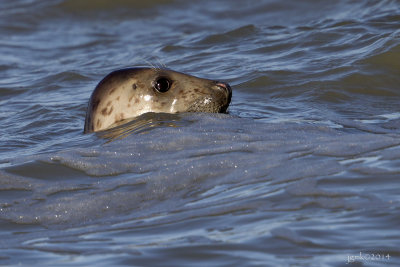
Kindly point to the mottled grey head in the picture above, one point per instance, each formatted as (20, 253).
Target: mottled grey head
(128, 93)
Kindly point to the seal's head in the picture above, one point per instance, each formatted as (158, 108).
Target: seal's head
(128, 93)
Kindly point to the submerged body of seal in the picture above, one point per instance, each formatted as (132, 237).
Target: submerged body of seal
(128, 93)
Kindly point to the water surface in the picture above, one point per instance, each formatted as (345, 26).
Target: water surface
(303, 171)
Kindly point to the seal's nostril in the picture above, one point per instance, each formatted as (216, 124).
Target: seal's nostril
(224, 86)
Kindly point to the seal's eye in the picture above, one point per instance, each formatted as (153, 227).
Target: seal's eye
(162, 85)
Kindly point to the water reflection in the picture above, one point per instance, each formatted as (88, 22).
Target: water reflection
(144, 124)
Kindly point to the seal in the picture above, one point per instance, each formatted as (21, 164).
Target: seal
(128, 93)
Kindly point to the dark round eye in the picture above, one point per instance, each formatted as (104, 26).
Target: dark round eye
(162, 85)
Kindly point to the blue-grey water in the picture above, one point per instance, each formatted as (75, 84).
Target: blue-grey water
(303, 171)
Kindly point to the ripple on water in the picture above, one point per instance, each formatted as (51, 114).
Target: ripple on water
(303, 171)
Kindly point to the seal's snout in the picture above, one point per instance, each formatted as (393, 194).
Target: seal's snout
(225, 87)
(228, 91)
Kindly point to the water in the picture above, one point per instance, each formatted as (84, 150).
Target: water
(303, 171)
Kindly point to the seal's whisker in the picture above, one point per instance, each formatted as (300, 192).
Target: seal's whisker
(161, 64)
(151, 65)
